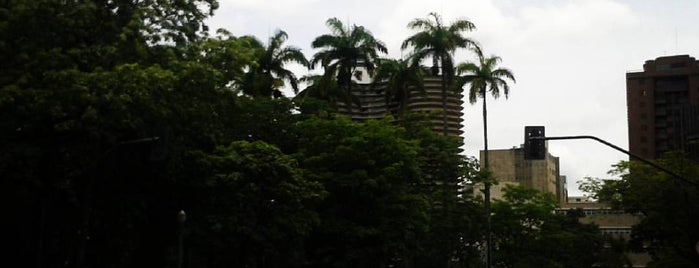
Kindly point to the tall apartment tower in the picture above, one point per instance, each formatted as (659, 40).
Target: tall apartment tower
(373, 104)
(509, 167)
(663, 106)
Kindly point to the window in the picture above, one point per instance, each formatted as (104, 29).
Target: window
(678, 65)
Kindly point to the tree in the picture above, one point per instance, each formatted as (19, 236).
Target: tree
(231, 57)
(255, 208)
(668, 205)
(485, 77)
(455, 228)
(529, 234)
(325, 88)
(266, 77)
(439, 42)
(77, 79)
(373, 214)
(344, 50)
(399, 80)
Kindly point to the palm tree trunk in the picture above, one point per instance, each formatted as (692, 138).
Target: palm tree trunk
(489, 235)
(350, 102)
(349, 94)
(445, 128)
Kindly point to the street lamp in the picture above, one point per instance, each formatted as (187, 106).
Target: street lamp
(181, 218)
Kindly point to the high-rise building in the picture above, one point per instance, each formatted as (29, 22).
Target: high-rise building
(373, 104)
(663, 106)
(509, 167)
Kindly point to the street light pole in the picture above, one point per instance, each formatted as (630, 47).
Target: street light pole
(181, 218)
(669, 172)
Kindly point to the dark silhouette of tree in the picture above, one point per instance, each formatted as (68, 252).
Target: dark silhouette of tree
(398, 80)
(266, 78)
(439, 42)
(485, 77)
(344, 50)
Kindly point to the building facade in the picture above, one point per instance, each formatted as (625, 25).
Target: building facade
(611, 222)
(509, 167)
(373, 104)
(663, 106)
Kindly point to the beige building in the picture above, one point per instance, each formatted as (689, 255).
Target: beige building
(616, 223)
(373, 104)
(509, 167)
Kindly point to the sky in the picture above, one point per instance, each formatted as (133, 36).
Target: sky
(569, 59)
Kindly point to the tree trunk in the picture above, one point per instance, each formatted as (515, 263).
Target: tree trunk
(349, 94)
(445, 128)
(489, 235)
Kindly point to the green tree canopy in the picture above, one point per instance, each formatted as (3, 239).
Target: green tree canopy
(439, 41)
(254, 208)
(668, 205)
(528, 233)
(344, 50)
(398, 79)
(266, 78)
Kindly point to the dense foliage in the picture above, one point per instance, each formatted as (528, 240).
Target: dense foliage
(116, 115)
(527, 234)
(669, 206)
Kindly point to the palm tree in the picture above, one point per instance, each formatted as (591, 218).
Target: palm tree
(326, 88)
(439, 42)
(399, 79)
(267, 78)
(485, 77)
(344, 50)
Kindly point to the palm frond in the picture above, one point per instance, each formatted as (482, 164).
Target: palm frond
(504, 72)
(336, 26)
(484, 75)
(461, 25)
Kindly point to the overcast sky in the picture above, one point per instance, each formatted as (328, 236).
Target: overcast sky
(569, 58)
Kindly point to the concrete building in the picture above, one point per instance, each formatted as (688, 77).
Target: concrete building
(509, 167)
(612, 222)
(663, 106)
(373, 104)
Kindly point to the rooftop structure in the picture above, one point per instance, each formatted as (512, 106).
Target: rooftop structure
(663, 106)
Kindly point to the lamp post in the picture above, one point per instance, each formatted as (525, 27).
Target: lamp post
(181, 218)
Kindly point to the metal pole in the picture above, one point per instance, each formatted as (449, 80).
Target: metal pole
(671, 173)
(181, 218)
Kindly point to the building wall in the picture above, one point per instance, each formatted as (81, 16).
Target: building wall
(509, 166)
(373, 104)
(562, 188)
(616, 223)
(661, 104)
